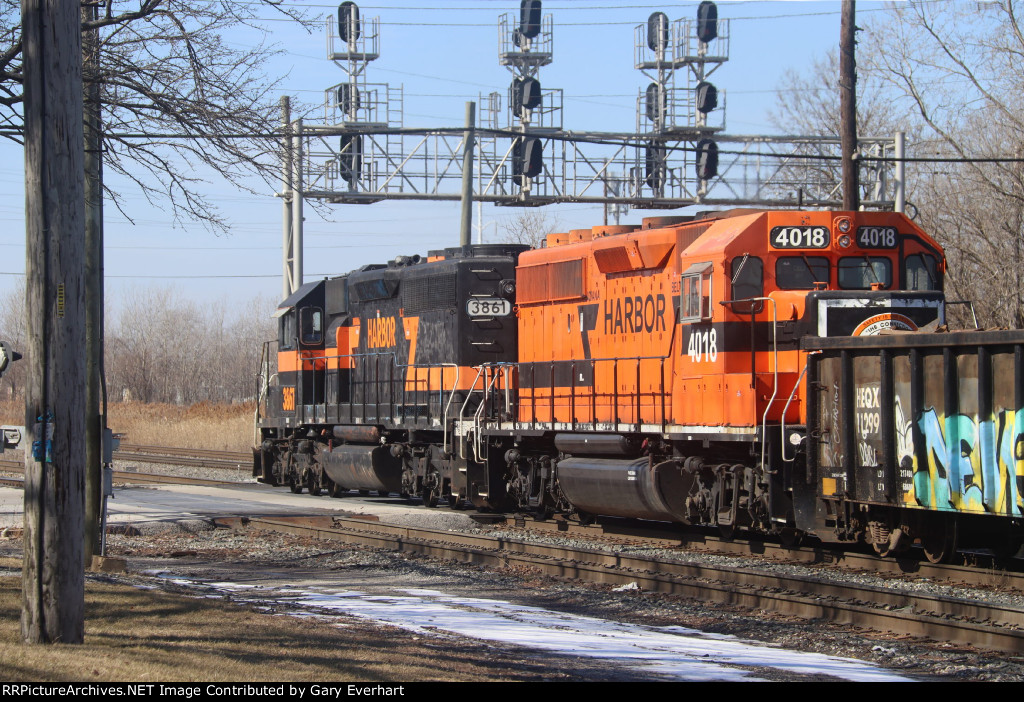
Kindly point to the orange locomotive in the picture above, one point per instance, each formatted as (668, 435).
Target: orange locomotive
(665, 360)
(768, 370)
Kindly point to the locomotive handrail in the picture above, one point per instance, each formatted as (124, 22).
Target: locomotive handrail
(263, 377)
(376, 401)
(775, 379)
(573, 365)
(970, 305)
(775, 366)
(462, 408)
(482, 369)
(501, 370)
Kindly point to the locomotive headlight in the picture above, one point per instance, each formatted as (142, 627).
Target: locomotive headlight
(508, 288)
(843, 224)
(845, 241)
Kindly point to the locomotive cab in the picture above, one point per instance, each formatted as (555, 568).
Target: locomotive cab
(300, 350)
(754, 285)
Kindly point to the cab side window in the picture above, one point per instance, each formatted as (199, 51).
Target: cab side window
(286, 329)
(921, 273)
(312, 326)
(696, 293)
(747, 274)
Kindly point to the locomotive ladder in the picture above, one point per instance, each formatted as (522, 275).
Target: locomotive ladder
(486, 380)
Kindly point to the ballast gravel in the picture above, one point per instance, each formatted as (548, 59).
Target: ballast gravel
(194, 549)
(159, 552)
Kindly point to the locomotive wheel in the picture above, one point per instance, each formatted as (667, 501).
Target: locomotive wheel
(586, 518)
(430, 497)
(336, 490)
(896, 544)
(313, 485)
(294, 485)
(939, 540)
(882, 550)
(727, 531)
(454, 502)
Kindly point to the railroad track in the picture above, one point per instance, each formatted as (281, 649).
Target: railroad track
(202, 458)
(982, 571)
(978, 569)
(949, 619)
(166, 455)
(120, 476)
(942, 618)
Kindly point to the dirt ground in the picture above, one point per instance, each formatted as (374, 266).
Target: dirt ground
(160, 561)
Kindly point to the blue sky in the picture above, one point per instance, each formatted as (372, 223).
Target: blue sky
(442, 54)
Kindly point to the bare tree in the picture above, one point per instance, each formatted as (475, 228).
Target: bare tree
(13, 331)
(164, 348)
(956, 68)
(176, 96)
(807, 104)
(530, 227)
(947, 74)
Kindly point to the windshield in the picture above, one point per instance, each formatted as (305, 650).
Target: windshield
(801, 272)
(860, 272)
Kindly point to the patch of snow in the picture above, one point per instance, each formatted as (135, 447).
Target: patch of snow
(675, 652)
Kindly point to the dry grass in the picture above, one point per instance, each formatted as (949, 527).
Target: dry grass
(202, 426)
(146, 635)
(205, 425)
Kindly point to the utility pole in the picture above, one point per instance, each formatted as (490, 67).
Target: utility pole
(848, 106)
(465, 230)
(53, 579)
(287, 162)
(93, 137)
(297, 186)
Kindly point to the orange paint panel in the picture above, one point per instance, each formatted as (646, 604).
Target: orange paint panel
(344, 350)
(687, 402)
(290, 361)
(738, 401)
(411, 327)
(713, 400)
(765, 383)
(655, 253)
(287, 361)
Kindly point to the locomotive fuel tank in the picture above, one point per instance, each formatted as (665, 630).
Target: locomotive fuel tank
(638, 488)
(363, 467)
